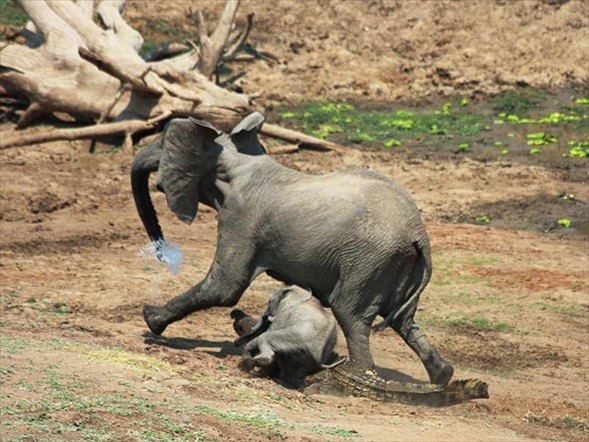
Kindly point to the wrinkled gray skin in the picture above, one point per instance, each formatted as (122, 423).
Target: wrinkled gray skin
(353, 237)
(295, 336)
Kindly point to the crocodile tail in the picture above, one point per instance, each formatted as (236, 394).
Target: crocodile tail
(471, 388)
(455, 392)
(423, 271)
(461, 390)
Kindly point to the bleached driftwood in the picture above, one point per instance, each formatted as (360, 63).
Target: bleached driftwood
(70, 64)
(94, 73)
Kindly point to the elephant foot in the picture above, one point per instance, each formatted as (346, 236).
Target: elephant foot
(439, 371)
(263, 360)
(155, 318)
(246, 364)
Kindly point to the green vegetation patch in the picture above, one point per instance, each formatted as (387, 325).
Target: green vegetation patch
(512, 123)
(333, 431)
(47, 419)
(476, 324)
(386, 128)
(46, 401)
(128, 359)
(11, 14)
(149, 435)
(540, 139)
(579, 149)
(54, 395)
(515, 102)
(574, 311)
(270, 423)
(469, 298)
(13, 345)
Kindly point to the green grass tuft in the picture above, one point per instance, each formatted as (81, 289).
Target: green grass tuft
(477, 323)
(11, 14)
(515, 102)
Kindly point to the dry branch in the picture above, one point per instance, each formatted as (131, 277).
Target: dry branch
(304, 141)
(240, 39)
(112, 69)
(110, 14)
(284, 149)
(126, 128)
(211, 47)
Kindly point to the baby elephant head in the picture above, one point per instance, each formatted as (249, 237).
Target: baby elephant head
(294, 337)
(283, 298)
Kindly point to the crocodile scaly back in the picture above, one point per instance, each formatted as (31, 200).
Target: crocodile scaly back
(349, 380)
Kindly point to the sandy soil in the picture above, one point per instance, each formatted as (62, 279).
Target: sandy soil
(509, 301)
(402, 50)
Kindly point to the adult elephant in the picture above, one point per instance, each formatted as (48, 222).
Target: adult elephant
(353, 237)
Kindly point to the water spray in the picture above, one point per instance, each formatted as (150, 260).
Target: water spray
(165, 252)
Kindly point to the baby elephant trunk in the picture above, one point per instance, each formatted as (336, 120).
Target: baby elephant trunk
(245, 326)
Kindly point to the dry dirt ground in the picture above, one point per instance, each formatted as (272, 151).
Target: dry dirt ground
(508, 303)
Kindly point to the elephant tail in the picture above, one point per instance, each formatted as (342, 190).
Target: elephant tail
(146, 162)
(422, 271)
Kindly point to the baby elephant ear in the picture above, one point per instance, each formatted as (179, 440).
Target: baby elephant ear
(245, 135)
(184, 164)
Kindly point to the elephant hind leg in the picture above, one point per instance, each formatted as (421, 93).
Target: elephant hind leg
(355, 317)
(439, 371)
(357, 335)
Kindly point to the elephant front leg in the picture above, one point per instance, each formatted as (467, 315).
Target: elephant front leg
(256, 353)
(232, 271)
(211, 292)
(438, 370)
(158, 318)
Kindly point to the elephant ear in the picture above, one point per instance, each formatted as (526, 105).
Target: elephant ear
(245, 135)
(186, 160)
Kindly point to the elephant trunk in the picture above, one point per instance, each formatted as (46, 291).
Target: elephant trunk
(146, 162)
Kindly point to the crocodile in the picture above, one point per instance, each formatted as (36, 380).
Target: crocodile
(347, 379)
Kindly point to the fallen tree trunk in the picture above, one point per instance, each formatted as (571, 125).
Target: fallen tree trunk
(69, 64)
(95, 74)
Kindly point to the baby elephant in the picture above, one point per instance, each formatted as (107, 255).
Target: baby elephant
(294, 338)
